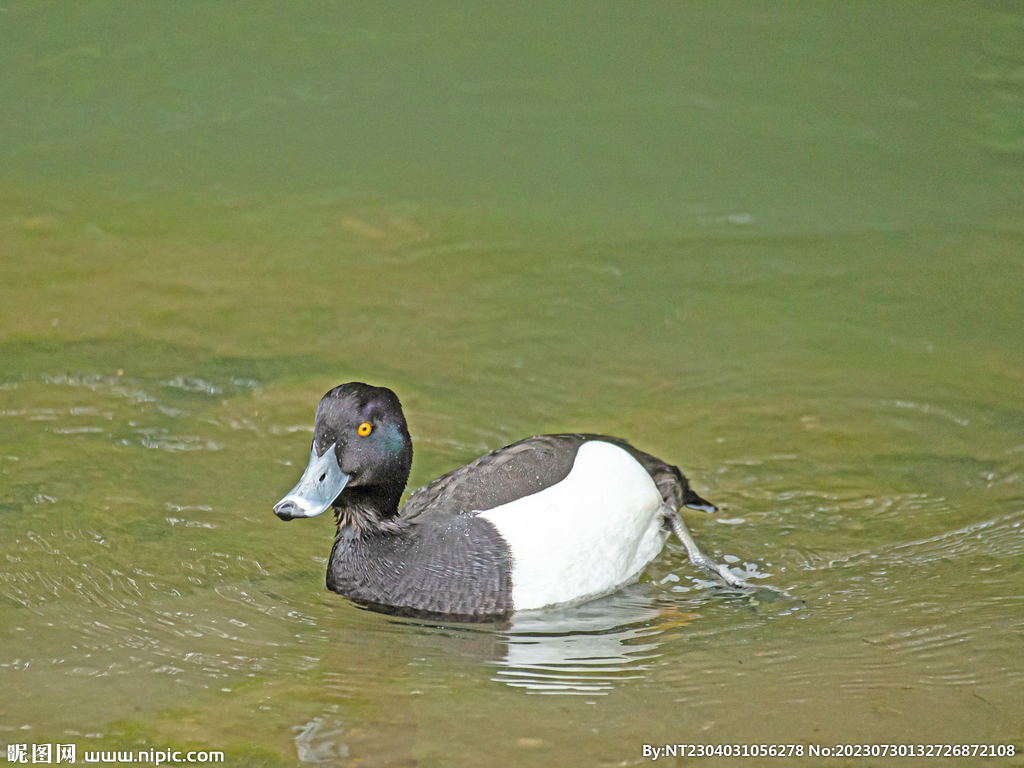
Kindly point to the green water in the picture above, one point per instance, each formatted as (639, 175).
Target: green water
(779, 245)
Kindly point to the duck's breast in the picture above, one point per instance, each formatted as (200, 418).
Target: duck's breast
(586, 535)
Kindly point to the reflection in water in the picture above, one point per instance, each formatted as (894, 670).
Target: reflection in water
(319, 741)
(329, 741)
(586, 649)
(593, 648)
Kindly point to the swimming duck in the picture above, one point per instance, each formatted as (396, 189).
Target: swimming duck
(548, 520)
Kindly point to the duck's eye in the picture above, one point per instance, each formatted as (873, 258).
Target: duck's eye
(364, 429)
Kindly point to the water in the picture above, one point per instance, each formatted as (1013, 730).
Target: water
(778, 246)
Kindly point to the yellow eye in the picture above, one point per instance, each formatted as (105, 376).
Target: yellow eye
(364, 429)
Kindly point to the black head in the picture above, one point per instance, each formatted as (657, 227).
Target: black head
(372, 449)
(368, 428)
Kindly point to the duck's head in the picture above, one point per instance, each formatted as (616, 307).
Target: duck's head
(361, 454)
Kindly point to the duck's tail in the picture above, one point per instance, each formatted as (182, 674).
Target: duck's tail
(674, 487)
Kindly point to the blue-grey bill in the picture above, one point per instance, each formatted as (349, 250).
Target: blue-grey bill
(319, 485)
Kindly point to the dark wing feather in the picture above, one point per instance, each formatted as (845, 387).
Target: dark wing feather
(501, 476)
(527, 467)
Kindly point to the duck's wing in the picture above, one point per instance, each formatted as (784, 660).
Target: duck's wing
(501, 476)
(527, 467)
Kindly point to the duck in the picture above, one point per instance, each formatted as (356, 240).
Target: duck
(551, 520)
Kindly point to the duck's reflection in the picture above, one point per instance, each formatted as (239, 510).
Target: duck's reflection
(586, 649)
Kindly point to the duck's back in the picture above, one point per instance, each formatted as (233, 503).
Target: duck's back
(517, 470)
(527, 467)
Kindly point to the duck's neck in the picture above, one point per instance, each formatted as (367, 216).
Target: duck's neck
(362, 512)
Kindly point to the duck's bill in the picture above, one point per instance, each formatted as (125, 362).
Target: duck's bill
(319, 485)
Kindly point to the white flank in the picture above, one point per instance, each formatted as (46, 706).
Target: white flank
(585, 536)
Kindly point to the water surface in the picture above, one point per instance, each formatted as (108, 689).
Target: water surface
(778, 246)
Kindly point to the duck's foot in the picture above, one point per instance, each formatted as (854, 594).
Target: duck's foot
(701, 560)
